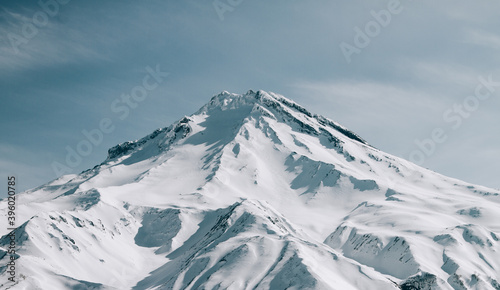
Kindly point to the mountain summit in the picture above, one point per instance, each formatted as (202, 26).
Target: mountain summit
(255, 192)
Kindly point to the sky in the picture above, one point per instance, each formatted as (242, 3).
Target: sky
(417, 79)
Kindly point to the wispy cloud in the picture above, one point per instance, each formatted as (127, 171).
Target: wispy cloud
(377, 95)
(482, 38)
(443, 73)
(49, 49)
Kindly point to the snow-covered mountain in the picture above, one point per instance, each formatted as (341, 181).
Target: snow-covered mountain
(255, 192)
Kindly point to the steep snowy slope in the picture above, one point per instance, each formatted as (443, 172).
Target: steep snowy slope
(254, 192)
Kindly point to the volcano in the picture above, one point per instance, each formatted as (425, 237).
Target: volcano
(254, 192)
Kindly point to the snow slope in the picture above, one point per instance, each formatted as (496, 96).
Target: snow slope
(255, 192)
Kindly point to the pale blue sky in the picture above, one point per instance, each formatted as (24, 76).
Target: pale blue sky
(63, 78)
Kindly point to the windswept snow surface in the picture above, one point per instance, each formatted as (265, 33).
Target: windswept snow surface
(255, 192)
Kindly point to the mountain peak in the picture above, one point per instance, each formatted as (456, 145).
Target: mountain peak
(225, 100)
(232, 109)
(276, 103)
